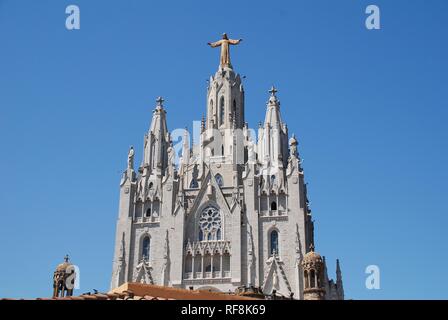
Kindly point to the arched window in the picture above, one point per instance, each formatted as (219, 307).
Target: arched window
(210, 224)
(274, 242)
(219, 180)
(221, 111)
(146, 248)
(312, 279)
(272, 180)
(273, 206)
(156, 208)
(148, 212)
(194, 184)
(305, 274)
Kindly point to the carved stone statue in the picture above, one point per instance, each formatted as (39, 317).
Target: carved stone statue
(171, 160)
(275, 282)
(293, 146)
(131, 158)
(142, 273)
(251, 151)
(225, 51)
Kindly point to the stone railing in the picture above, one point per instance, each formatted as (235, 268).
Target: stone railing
(147, 220)
(273, 213)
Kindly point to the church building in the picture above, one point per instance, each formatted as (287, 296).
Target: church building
(231, 215)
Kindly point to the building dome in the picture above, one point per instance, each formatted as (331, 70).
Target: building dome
(62, 267)
(312, 258)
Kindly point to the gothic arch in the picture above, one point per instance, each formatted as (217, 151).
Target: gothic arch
(222, 111)
(143, 236)
(219, 180)
(273, 239)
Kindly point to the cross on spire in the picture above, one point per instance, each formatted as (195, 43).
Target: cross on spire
(66, 258)
(160, 101)
(273, 91)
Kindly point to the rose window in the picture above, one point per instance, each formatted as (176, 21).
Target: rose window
(210, 224)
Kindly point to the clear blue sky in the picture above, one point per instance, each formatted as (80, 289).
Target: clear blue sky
(369, 109)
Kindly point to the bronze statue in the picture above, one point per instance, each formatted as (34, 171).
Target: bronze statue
(225, 51)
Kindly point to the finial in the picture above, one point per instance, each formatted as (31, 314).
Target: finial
(203, 124)
(160, 101)
(273, 91)
(66, 258)
(311, 247)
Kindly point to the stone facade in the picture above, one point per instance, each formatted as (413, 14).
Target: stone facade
(232, 214)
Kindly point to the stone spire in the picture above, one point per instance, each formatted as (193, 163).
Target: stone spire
(273, 112)
(339, 284)
(273, 138)
(157, 142)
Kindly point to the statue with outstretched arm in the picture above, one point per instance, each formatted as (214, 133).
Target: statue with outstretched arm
(224, 43)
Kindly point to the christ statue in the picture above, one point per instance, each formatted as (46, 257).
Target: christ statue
(225, 52)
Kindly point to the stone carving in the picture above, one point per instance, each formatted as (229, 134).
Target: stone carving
(251, 151)
(293, 146)
(275, 280)
(210, 223)
(142, 272)
(131, 158)
(171, 160)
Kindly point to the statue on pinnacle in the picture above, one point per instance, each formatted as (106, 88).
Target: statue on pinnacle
(225, 50)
